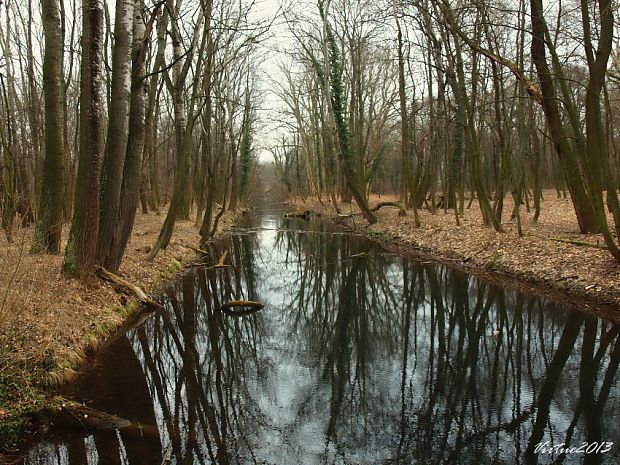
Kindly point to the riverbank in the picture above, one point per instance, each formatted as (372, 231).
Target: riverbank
(48, 323)
(552, 257)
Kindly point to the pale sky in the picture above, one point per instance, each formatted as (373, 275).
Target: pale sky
(270, 73)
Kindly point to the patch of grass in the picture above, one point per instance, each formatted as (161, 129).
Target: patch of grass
(19, 400)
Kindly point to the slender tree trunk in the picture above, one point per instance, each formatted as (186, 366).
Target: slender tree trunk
(50, 211)
(405, 134)
(597, 167)
(130, 189)
(338, 108)
(116, 143)
(183, 121)
(79, 259)
(586, 216)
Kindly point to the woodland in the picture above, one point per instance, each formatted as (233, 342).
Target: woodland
(107, 110)
(131, 131)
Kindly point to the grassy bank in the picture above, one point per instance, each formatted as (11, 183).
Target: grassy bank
(49, 323)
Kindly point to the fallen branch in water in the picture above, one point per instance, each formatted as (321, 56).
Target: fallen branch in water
(77, 416)
(128, 287)
(253, 307)
(305, 214)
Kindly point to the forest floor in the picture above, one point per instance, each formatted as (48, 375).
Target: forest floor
(48, 322)
(540, 261)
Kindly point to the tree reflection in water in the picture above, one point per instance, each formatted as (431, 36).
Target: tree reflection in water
(358, 357)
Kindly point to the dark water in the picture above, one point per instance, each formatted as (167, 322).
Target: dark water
(359, 357)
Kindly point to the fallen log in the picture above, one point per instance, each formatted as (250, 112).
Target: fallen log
(127, 287)
(304, 215)
(251, 307)
(573, 242)
(77, 416)
(402, 212)
(72, 415)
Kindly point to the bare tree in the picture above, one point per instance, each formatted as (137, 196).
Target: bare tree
(81, 248)
(50, 210)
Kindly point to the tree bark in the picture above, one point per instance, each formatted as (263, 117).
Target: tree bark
(338, 108)
(130, 188)
(586, 217)
(79, 259)
(118, 130)
(50, 210)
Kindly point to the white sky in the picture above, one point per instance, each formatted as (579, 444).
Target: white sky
(268, 134)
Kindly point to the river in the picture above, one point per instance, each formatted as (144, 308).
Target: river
(359, 356)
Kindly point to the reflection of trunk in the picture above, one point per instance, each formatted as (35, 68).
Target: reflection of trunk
(120, 388)
(219, 431)
(610, 375)
(587, 380)
(408, 295)
(338, 359)
(554, 371)
(158, 384)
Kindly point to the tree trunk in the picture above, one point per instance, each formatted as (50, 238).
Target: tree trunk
(586, 217)
(50, 211)
(116, 143)
(79, 259)
(338, 108)
(405, 134)
(130, 188)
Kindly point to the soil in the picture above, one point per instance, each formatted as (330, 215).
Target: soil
(587, 277)
(48, 322)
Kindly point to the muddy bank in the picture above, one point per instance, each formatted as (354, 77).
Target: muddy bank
(551, 258)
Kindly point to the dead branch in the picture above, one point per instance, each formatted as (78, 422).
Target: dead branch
(222, 259)
(402, 212)
(569, 241)
(128, 287)
(77, 416)
(195, 249)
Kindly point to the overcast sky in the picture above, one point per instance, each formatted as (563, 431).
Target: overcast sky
(268, 133)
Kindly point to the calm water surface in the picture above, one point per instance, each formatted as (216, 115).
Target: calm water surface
(359, 357)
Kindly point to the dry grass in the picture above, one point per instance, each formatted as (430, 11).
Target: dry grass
(589, 273)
